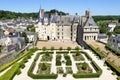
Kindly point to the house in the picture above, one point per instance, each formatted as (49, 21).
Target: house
(103, 38)
(1, 34)
(87, 30)
(111, 26)
(32, 37)
(15, 43)
(114, 41)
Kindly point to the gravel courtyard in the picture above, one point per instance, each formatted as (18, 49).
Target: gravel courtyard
(56, 44)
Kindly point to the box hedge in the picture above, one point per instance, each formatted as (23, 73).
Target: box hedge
(113, 67)
(39, 76)
(11, 72)
(90, 75)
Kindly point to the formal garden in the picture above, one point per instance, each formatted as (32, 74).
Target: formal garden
(50, 64)
(62, 62)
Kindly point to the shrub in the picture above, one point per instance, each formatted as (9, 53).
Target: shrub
(58, 58)
(77, 53)
(22, 65)
(113, 67)
(68, 48)
(58, 62)
(60, 48)
(44, 48)
(84, 66)
(11, 72)
(118, 78)
(68, 61)
(18, 71)
(52, 48)
(77, 48)
(43, 66)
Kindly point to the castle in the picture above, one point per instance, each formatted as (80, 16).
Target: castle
(66, 27)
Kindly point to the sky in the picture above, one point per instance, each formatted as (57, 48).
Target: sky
(97, 7)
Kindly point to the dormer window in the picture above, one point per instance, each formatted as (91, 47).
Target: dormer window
(90, 24)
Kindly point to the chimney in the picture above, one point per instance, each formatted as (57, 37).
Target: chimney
(42, 12)
(88, 13)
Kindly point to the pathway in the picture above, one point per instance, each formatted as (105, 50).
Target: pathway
(23, 75)
(74, 67)
(37, 63)
(53, 65)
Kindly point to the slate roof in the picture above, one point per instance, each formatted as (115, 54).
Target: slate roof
(1, 32)
(90, 22)
(30, 33)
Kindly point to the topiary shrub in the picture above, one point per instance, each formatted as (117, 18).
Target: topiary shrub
(84, 66)
(43, 67)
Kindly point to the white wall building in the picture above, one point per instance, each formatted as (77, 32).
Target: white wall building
(111, 27)
(66, 28)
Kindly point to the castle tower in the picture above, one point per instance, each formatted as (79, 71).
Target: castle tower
(41, 14)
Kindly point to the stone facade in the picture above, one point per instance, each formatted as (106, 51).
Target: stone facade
(67, 28)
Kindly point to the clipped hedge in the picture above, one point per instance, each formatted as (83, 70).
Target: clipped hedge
(68, 60)
(113, 67)
(87, 55)
(100, 54)
(39, 76)
(118, 78)
(112, 49)
(5, 66)
(11, 72)
(90, 75)
(58, 60)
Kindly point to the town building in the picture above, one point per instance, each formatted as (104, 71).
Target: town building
(111, 26)
(114, 41)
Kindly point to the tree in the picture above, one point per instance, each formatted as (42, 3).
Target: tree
(47, 53)
(31, 28)
(109, 34)
(25, 36)
(52, 48)
(68, 48)
(60, 48)
(44, 48)
(84, 66)
(117, 30)
(77, 53)
(43, 66)
(77, 48)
